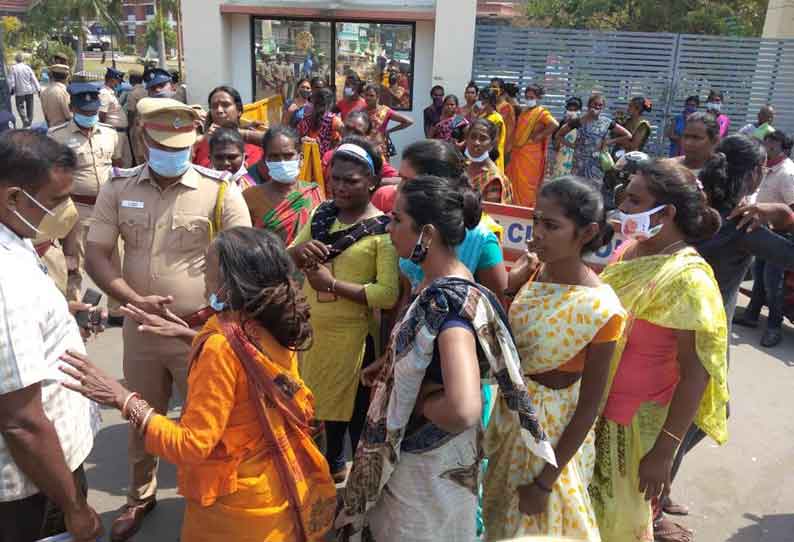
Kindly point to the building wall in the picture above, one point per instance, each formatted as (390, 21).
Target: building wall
(779, 19)
(218, 51)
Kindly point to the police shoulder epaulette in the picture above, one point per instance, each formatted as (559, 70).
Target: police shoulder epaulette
(125, 173)
(213, 173)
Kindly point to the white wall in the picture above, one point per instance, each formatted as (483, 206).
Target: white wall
(240, 62)
(207, 39)
(423, 80)
(453, 51)
(779, 21)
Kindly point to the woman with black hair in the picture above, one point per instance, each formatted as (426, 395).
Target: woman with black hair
(351, 268)
(225, 110)
(284, 203)
(732, 174)
(352, 99)
(593, 131)
(247, 464)
(639, 127)
(714, 105)
(470, 95)
(669, 368)
(295, 109)
(227, 152)
(322, 125)
(579, 319)
(485, 176)
(505, 108)
(700, 136)
(564, 145)
(528, 162)
(415, 472)
(487, 110)
(380, 116)
(453, 124)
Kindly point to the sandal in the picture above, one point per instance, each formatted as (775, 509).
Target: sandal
(666, 530)
(674, 508)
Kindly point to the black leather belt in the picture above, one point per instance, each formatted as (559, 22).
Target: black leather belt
(122, 130)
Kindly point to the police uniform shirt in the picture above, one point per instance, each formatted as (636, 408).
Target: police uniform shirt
(111, 107)
(94, 154)
(166, 232)
(55, 104)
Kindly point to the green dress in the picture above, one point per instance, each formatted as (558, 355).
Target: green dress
(332, 366)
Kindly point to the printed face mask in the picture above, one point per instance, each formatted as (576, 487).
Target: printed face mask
(637, 226)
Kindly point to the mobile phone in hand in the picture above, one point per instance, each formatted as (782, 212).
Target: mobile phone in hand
(91, 297)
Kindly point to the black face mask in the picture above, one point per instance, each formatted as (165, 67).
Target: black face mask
(305, 94)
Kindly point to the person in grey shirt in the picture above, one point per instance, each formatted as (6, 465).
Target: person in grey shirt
(23, 85)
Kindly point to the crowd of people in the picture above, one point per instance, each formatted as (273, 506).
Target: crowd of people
(548, 399)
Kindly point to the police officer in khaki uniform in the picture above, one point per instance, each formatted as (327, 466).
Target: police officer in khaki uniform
(110, 112)
(167, 212)
(55, 98)
(96, 146)
(158, 84)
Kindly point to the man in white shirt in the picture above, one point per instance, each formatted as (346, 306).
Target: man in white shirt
(768, 283)
(23, 85)
(46, 431)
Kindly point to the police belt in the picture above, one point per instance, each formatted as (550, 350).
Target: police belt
(85, 200)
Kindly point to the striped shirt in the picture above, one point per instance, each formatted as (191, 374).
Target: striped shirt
(36, 328)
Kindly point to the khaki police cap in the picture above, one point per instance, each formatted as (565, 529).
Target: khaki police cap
(168, 122)
(59, 68)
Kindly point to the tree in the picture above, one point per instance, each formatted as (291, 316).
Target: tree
(12, 30)
(164, 8)
(739, 17)
(157, 31)
(69, 18)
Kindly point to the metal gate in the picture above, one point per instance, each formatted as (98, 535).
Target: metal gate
(666, 68)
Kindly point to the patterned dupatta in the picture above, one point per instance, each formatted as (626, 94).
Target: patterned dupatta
(558, 320)
(303, 470)
(394, 394)
(679, 291)
(339, 241)
(288, 217)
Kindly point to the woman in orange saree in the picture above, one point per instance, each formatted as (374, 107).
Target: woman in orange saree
(528, 159)
(247, 464)
(505, 108)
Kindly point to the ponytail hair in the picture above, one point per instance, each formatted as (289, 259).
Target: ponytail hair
(670, 183)
(726, 176)
(582, 202)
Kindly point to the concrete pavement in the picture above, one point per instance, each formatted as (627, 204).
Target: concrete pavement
(741, 492)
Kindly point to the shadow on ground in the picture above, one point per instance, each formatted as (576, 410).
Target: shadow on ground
(771, 527)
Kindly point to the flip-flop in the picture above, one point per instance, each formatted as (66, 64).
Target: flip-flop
(666, 530)
(674, 508)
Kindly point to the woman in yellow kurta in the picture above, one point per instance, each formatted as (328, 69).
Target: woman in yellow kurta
(246, 461)
(528, 159)
(351, 269)
(565, 323)
(488, 111)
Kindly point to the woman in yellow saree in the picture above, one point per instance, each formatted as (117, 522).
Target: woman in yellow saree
(669, 366)
(565, 323)
(528, 159)
(246, 461)
(487, 104)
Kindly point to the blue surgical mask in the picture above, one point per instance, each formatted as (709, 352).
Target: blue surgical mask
(165, 93)
(348, 92)
(283, 172)
(169, 163)
(216, 304)
(86, 121)
(714, 106)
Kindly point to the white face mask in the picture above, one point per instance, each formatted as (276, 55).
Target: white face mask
(637, 226)
(714, 106)
(531, 103)
(482, 158)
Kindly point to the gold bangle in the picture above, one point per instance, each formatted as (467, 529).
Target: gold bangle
(145, 422)
(127, 401)
(672, 436)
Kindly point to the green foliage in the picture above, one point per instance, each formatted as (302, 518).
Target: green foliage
(153, 27)
(731, 17)
(47, 49)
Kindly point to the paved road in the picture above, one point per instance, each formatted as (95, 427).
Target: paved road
(742, 492)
